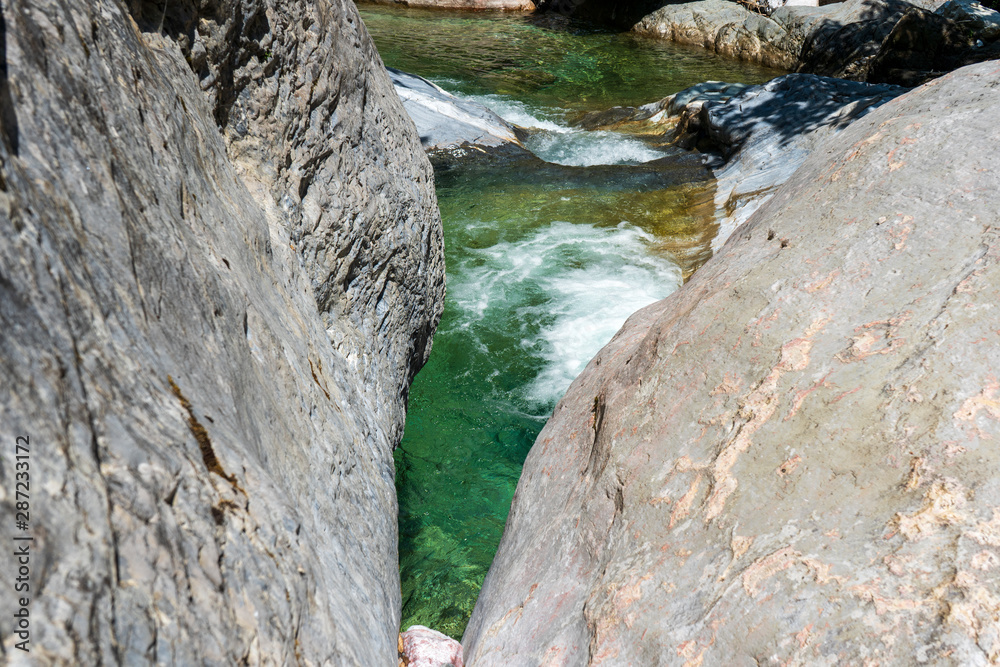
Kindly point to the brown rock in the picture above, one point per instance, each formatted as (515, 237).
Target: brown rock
(791, 459)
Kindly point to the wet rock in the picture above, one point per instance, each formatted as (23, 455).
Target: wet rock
(215, 286)
(790, 459)
(665, 114)
(445, 121)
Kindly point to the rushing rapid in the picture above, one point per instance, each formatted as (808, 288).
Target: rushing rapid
(546, 259)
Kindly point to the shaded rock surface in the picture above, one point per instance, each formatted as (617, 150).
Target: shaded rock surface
(765, 133)
(972, 15)
(444, 121)
(924, 45)
(835, 40)
(791, 459)
(879, 41)
(221, 265)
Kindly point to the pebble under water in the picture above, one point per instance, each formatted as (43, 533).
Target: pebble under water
(545, 261)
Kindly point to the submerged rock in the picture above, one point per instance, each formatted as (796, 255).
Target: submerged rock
(420, 646)
(221, 266)
(790, 459)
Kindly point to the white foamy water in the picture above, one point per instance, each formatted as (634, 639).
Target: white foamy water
(566, 289)
(554, 141)
(580, 148)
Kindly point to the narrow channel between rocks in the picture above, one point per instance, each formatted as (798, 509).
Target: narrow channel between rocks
(547, 255)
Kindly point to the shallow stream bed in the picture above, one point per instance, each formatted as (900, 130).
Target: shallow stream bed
(545, 261)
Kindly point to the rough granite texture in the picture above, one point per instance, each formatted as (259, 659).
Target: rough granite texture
(420, 646)
(221, 264)
(792, 459)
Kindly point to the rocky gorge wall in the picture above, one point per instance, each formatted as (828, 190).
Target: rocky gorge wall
(221, 266)
(789, 460)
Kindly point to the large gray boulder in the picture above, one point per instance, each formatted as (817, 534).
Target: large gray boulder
(792, 459)
(220, 267)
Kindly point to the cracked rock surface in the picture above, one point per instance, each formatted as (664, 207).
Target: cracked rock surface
(221, 266)
(792, 459)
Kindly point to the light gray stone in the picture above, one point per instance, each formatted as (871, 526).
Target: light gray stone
(790, 460)
(765, 133)
(445, 121)
(215, 287)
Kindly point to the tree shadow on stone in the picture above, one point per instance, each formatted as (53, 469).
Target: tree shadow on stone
(785, 109)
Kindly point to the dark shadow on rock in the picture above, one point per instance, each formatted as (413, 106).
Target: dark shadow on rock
(239, 30)
(8, 118)
(843, 46)
(616, 13)
(892, 42)
(922, 46)
(786, 108)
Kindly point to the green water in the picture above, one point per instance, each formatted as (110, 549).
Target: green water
(544, 264)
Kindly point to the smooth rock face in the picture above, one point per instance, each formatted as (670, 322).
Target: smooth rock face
(792, 459)
(221, 265)
(444, 121)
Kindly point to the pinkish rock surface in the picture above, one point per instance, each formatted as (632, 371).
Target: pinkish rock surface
(793, 459)
(423, 647)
